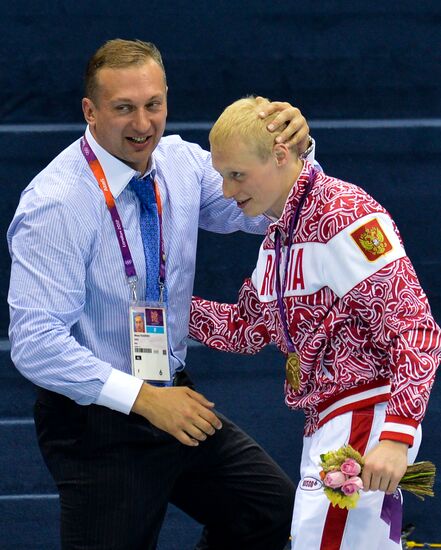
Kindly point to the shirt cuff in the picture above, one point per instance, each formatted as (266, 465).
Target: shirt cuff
(119, 391)
(309, 154)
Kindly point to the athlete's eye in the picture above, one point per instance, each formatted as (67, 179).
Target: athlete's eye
(236, 175)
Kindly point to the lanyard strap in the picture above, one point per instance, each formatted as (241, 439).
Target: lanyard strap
(161, 241)
(129, 266)
(281, 287)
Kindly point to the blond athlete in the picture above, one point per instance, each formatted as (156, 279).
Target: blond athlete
(334, 290)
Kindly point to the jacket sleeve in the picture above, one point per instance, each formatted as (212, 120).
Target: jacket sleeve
(397, 310)
(377, 282)
(238, 328)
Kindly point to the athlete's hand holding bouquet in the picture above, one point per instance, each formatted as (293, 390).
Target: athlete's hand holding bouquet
(341, 476)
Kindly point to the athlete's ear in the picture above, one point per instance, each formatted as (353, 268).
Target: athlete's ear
(280, 153)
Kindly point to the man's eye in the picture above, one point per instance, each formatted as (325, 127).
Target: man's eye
(123, 108)
(154, 105)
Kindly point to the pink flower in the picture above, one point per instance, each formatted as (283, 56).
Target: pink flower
(352, 485)
(334, 480)
(350, 467)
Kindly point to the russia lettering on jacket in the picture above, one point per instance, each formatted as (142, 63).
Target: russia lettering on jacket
(295, 275)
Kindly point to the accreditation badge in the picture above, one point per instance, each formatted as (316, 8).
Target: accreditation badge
(149, 341)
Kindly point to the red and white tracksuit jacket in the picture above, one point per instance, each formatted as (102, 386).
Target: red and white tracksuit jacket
(357, 315)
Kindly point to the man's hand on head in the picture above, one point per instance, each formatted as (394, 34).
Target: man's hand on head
(295, 128)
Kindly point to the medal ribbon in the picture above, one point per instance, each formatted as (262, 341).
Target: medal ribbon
(129, 265)
(392, 514)
(281, 287)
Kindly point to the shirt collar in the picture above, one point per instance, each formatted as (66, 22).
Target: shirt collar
(118, 174)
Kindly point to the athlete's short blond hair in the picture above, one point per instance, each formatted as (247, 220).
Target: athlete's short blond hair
(241, 120)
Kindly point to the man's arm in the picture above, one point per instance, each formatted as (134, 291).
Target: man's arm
(47, 297)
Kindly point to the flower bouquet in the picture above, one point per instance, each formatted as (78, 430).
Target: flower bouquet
(341, 471)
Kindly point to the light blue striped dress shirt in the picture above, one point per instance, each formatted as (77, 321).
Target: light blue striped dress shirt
(69, 297)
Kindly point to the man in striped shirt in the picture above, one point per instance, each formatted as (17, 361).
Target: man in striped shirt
(120, 448)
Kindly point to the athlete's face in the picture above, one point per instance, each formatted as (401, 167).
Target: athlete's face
(129, 113)
(254, 184)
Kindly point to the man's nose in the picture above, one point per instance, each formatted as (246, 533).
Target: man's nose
(141, 121)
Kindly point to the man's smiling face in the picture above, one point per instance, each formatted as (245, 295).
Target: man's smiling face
(128, 116)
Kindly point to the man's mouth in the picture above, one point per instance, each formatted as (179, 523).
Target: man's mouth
(139, 140)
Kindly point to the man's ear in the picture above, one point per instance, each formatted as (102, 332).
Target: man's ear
(88, 110)
(280, 152)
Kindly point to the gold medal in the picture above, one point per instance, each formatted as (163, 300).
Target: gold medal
(292, 367)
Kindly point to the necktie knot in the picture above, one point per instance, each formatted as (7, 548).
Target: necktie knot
(144, 190)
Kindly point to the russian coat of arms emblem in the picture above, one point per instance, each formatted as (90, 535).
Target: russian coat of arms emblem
(372, 240)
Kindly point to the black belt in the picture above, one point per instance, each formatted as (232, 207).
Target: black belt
(181, 378)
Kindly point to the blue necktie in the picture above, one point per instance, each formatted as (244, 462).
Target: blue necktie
(149, 222)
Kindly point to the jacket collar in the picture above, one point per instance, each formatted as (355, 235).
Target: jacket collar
(291, 204)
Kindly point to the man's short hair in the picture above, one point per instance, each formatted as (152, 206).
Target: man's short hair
(118, 54)
(241, 120)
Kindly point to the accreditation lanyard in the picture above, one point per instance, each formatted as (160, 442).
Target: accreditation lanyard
(281, 285)
(129, 265)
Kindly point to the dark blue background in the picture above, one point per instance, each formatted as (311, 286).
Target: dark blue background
(337, 61)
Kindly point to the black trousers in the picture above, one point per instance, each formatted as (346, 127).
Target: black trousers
(117, 473)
